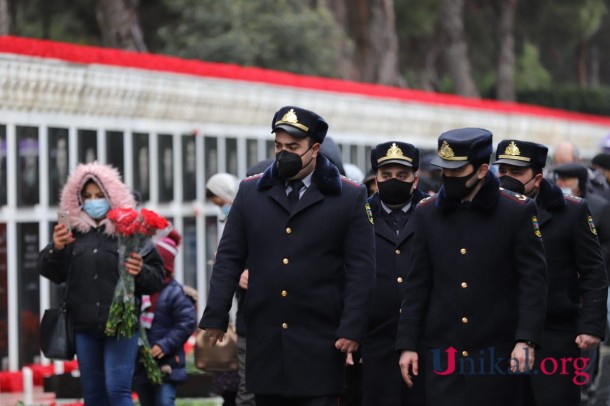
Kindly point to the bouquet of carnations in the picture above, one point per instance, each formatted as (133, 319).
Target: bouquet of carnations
(132, 228)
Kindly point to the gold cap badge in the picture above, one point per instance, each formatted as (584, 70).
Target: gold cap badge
(512, 149)
(291, 118)
(512, 152)
(394, 152)
(445, 151)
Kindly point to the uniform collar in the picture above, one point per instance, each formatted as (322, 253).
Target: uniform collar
(550, 196)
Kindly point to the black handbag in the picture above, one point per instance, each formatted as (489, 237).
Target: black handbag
(57, 334)
(57, 331)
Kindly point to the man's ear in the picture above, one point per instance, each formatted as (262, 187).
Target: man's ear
(315, 148)
(482, 171)
(538, 180)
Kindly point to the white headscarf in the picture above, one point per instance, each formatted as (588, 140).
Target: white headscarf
(223, 185)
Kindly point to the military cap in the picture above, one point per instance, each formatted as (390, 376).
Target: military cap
(573, 170)
(300, 123)
(462, 146)
(395, 152)
(521, 153)
(602, 160)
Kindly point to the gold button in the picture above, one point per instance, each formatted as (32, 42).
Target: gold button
(284, 293)
(463, 251)
(284, 326)
(397, 252)
(288, 230)
(285, 261)
(464, 320)
(399, 279)
(464, 285)
(464, 353)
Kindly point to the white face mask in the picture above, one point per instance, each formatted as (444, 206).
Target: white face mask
(566, 190)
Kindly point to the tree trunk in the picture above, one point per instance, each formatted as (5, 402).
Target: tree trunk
(595, 62)
(582, 63)
(119, 24)
(370, 24)
(339, 10)
(384, 42)
(456, 48)
(506, 58)
(4, 18)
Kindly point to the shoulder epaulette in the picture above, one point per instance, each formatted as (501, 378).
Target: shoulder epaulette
(249, 178)
(519, 198)
(573, 199)
(426, 200)
(348, 180)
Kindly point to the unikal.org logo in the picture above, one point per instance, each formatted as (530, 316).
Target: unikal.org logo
(487, 363)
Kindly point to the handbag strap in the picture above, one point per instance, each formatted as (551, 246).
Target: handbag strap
(67, 268)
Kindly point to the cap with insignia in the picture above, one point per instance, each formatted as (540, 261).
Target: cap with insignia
(300, 123)
(521, 153)
(395, 152)
(462, 146)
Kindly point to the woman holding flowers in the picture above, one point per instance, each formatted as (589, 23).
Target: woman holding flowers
(86, 257)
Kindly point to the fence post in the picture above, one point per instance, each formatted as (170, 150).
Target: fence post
(28, 386)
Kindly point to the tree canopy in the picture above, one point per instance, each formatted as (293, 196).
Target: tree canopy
(492, 48)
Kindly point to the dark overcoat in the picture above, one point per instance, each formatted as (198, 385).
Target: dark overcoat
(577, 290)
(600, 211)
(312, 275)
(382, 383)
(477, 284)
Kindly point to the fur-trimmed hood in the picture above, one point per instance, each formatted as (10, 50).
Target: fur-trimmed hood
(109, 181)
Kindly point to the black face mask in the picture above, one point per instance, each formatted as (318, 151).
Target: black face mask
(289, 163)
(513, 184)
(455, 187)
(394, 191)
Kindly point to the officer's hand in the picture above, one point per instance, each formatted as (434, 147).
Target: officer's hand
(346, 345)
(61, 237)
(213, 335)
(409, 361)
(243, 279)
(522, 353)
(349, 360)
(585, 341)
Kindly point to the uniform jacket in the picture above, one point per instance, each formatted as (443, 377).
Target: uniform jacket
(173, 324)
(478, 282)
(577, 284)
(600, 211)
(311, 279)
(92, 260)
(393, 256)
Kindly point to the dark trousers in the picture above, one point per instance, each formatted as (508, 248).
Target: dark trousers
(271, 400)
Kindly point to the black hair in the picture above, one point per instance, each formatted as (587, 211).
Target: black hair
(209, 194)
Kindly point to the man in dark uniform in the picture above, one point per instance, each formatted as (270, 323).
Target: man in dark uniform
(475, 297)
(395, 164)
(306, 234)
(576, 301)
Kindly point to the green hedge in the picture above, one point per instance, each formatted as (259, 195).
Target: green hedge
(574, 98)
